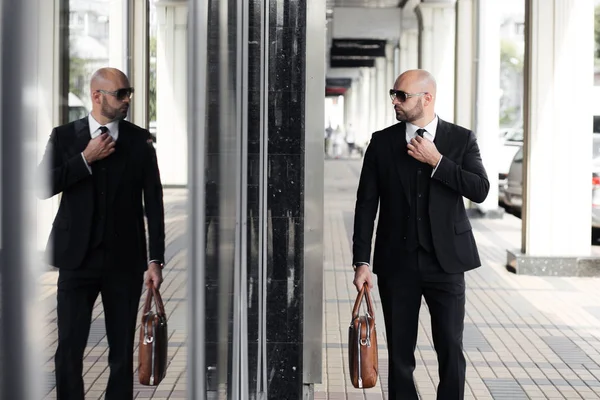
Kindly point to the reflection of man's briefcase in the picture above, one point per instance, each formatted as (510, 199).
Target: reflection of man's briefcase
(153, 341)
(362, 343)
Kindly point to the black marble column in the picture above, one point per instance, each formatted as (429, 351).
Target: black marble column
(285, 71)
(287, 23)
(252, 171)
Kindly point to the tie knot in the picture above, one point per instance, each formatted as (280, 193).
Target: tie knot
(103, 129)
(420, 132)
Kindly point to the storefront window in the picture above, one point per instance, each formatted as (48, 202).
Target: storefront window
(97, 38)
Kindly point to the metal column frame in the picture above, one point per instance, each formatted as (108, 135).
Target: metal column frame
(240, 306)
(314, 122)
(126, 36)
(139, 59)
(527, 95)
(21, 370)
(261, 379)
(197, 111)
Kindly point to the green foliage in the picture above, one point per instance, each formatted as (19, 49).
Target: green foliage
(509, 116)
(511, 71)
(510, 57)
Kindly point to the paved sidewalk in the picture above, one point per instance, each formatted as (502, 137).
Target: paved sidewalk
(525, 337)
(173, 292)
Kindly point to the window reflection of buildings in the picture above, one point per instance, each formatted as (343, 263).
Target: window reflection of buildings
(512, 32)
(88, 43)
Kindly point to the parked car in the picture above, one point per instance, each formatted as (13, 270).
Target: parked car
(508, 132)
(596, 183)
(512, 141)
(513, 193)
(513, 189)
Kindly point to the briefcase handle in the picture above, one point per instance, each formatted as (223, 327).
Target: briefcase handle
(364, 292)
(154, 293)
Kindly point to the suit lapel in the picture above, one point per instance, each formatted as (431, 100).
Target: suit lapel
(82, 135)
(442, 137)
(400, 157)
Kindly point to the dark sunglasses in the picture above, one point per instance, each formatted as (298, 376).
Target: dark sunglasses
(120, 94)
(403, 96)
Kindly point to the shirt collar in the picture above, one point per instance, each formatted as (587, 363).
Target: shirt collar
(431, 128)
(113, 128)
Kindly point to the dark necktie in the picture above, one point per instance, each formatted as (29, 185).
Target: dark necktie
(103, 129)
(420, 132)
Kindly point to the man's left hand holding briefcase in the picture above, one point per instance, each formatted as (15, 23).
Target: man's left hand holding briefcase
(154, 340)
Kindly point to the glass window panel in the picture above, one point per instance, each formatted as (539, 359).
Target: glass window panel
(153, 23)
(92, 44)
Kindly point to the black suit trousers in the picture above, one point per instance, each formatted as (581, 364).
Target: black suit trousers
(420, 275)
(78, 290)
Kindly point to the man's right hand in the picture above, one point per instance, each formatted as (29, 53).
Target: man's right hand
(362, 275)
(99, 148)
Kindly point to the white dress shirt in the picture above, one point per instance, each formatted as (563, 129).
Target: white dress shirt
(113, 131)
(429, 134)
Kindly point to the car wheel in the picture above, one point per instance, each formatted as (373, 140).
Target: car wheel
(595, 236)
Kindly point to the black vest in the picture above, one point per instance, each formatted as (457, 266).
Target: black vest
(103, 223)
(419, 226)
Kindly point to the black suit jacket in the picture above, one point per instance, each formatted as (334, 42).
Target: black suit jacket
(384, 183)
(138, 179)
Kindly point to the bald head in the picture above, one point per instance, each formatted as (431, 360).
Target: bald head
(415, 81)
(417, 103)
(110, 93)
(108, 79)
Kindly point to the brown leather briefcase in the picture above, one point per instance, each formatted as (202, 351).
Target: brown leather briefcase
(362, 343)
(153, 341)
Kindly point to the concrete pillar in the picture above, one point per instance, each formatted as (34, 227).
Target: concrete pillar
(487, 97)
(347, 107)
(351, 103)
(171, 91)
(364, 110)
(390, 59)
(357, 115)
(139, 65)
(437, 22)
(373, 105)
(392, 51)
(409, 49)
(388, 117)
(466, 42)
(558, 134)
(381, 92)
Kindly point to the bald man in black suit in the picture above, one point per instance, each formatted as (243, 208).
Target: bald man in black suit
(417, 173)
(106, 170)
